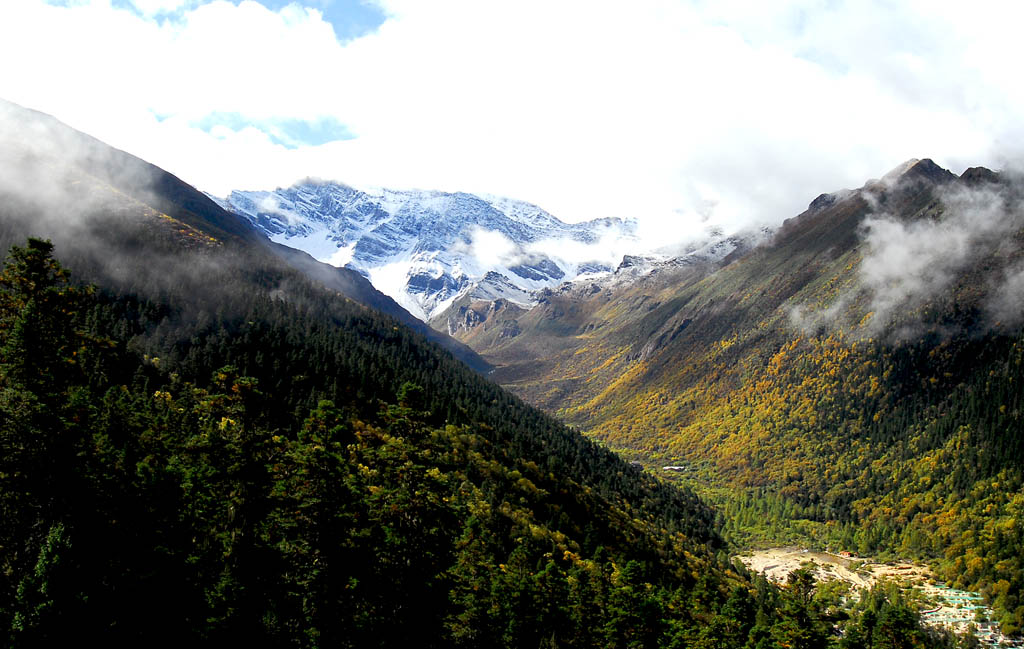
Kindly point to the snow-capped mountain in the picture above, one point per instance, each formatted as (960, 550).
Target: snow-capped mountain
(427, 248)
(715, 249)
(480, 306)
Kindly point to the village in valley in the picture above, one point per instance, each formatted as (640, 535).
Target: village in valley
(942, 606)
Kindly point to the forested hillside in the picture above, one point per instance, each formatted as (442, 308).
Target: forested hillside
(211, 447)
(278, 476)
(147, 500)
(856, 383)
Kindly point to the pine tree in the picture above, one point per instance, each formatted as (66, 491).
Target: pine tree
(40, 434)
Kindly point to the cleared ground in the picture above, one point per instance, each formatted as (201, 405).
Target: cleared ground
(953, 609)
(777, 563)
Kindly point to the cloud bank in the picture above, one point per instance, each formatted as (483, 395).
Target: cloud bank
(674, 113)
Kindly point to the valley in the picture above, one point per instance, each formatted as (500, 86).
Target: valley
(270, 447)
(817, 384)
(355, 324)
(851, 382)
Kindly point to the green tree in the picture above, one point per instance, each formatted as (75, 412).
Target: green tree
(37, 306)
(46, 594)
(897, 628)
(43, 410)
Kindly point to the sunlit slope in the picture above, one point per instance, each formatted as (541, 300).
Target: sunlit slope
(861, 372)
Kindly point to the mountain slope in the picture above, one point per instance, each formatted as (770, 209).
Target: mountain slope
(354, 286)
(110, 212)
(853, 383)
(213, 267)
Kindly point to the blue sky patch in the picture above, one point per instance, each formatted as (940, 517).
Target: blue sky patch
(349, 18)
(287, 132)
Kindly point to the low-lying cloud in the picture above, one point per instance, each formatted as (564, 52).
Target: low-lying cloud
(486, 247)
(909, 264)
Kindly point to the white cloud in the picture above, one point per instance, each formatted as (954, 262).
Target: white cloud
(152, 7)
(607, 250)
(666, 111)
(487, 247)
(908, 264)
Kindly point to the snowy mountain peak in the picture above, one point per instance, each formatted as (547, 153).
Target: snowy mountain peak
(427, 248)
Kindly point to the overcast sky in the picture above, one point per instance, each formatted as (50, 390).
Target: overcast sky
(666, 111)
